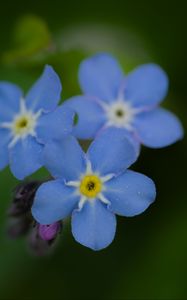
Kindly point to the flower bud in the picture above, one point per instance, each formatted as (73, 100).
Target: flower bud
(23, 198)
(37, 246)
(18, 227)
(42, 238)
(49, 232)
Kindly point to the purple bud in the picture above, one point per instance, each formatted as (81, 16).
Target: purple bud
(49, 232)
(42, 238)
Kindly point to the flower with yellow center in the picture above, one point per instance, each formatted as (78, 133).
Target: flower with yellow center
(23, 124)
(29, 122)
(90, 186)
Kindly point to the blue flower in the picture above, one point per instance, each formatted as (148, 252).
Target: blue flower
(92, 187)
(27, 124)
(126, 102)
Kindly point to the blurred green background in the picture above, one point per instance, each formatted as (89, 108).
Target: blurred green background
(148, 259)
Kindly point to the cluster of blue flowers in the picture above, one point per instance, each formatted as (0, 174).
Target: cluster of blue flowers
(117, 112)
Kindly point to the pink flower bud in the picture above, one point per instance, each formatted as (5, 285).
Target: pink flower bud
(49, 232)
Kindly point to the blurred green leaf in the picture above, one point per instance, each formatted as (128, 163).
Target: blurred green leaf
(30, 36)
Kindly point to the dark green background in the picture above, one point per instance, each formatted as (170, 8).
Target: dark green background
(148, 259)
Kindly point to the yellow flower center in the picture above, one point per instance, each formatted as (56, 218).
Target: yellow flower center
(90, 186)
(23, 124)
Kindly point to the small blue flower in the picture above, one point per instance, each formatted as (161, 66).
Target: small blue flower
(126, 102)
(92, 187)
(27, 124)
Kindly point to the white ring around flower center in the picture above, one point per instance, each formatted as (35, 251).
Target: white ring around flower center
(120, 114)
(23, 124)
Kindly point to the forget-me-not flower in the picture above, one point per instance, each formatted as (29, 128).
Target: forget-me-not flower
(26, 124)
(92, 187)
(130, 102)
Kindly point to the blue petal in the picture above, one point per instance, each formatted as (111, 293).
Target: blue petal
(131, 136)
(111, 152)
(91, 117)
(55, 125)
(53, 202)
(45, 93)
(101, 76)
(25, 157)
(94, 226)
(130, 193)
(5, 138)
(158, 128)
(10, 96)
(65, 158)
(146, 86)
